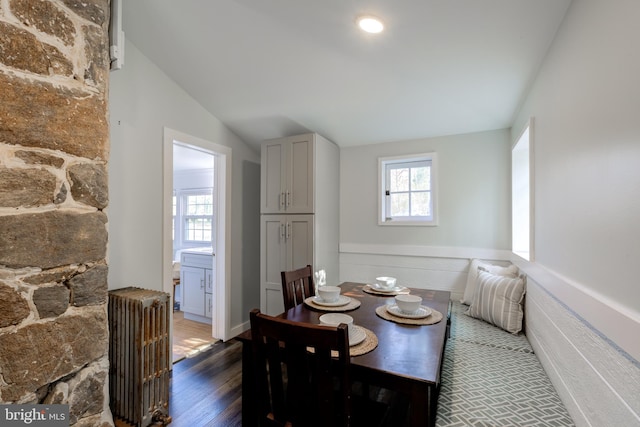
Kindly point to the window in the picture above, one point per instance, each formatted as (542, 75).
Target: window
(407, 190)
(197, 216)
(193, 220)
(521, 194)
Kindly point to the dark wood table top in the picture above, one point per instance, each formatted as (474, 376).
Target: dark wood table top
(412, 352)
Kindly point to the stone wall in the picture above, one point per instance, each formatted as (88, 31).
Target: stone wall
(54, 143)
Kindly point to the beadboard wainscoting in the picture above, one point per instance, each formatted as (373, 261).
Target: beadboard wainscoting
(597, 380)
(425, 267)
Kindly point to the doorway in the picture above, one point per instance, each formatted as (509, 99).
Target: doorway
(194, 248)
(205, 167)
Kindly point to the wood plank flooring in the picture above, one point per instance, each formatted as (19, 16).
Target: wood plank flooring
(189, 337)
(206, 390)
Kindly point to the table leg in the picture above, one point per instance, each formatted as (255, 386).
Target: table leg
(418, 411)
(422, 409)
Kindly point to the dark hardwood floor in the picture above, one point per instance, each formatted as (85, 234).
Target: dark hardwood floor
(206, 390)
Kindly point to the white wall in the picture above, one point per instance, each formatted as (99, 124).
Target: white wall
(143, 100)
(586, 104)
(474, 202)
(473, 192)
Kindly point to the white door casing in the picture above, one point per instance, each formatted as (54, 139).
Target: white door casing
(221, 289)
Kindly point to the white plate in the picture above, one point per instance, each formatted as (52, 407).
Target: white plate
(421, 313)
(342, 300)
(357, 336)
(378, 288)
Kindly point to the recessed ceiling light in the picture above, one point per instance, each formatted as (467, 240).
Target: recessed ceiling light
(370, 24)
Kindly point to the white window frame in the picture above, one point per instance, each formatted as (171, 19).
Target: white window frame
(182, 216)
(522, 194)
(383, 218)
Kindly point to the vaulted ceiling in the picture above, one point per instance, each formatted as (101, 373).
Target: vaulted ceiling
(271, 68)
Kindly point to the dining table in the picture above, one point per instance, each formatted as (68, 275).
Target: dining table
(407, 358)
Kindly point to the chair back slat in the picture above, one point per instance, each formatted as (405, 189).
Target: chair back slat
(302, 372)
(297, 285)
(275, 383)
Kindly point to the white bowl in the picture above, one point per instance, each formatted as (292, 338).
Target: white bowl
(335, 319)
(329, 293)
(386, 282)
(408, 304)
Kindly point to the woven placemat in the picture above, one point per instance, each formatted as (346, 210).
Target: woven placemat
(369, 343)
(371, 290)
(351, 305)
(433, 318)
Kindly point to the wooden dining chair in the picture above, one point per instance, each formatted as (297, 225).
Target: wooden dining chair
(299, 382)
(297, 285)
(302, 376)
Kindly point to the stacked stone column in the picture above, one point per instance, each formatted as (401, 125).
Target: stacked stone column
(54, 145)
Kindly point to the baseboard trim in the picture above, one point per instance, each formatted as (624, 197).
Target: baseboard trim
(238, 329)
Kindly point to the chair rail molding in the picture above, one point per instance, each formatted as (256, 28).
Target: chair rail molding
(426, 251)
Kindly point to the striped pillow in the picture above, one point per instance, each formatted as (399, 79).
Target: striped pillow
(498, 300)
(472, 278)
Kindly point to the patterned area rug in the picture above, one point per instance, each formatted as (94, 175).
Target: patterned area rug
(492, 378)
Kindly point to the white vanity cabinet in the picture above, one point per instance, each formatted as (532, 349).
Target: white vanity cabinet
(300, 186)
(196, 279)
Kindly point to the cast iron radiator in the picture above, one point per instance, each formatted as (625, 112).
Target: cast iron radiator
(139, 355)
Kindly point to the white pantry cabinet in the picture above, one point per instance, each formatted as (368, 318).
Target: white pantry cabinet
(196, 280)
(300, 218)
(287, 241)
(287, 175)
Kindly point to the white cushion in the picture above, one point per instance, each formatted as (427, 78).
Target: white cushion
(498, 300)
(510, 271)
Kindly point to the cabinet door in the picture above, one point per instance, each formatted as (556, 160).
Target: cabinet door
(299, 195)
(299, 237)
(208, 281)
(208, 305)
(192, 280)
(272, 262)
(273, 176)
(287, 175)
(208, 289)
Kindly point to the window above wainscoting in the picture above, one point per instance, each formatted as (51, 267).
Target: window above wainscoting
(407, 191)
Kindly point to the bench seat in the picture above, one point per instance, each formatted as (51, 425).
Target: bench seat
(493, 378)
